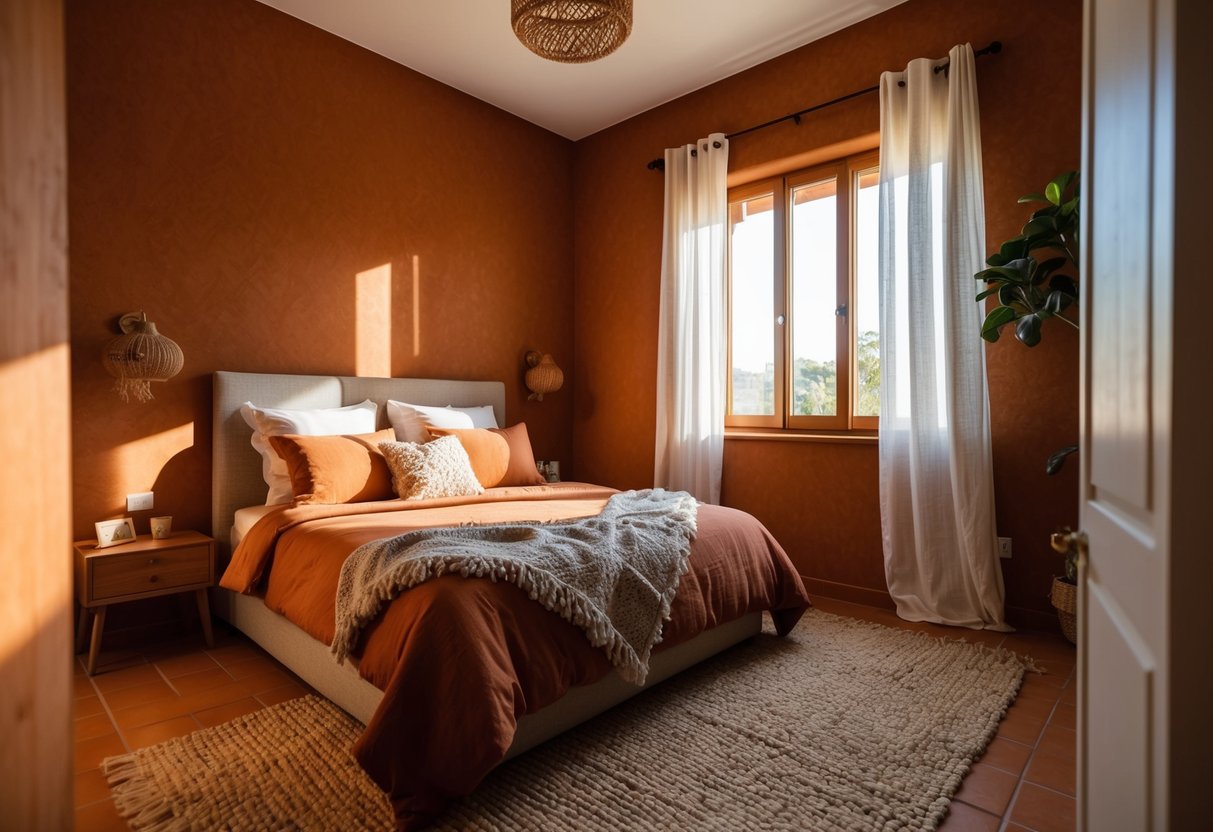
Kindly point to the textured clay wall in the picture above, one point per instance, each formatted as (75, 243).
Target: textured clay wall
(232, 171)
(821, 499)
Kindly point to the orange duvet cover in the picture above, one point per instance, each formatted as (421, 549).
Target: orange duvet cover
(460, 660)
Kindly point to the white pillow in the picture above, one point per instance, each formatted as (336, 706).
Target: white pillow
(332, 421)
(413, 421)
(436, 469)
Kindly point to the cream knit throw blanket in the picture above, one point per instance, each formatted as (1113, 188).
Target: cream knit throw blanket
(614, 575)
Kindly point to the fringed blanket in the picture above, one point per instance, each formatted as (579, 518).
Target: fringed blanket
(614, 575)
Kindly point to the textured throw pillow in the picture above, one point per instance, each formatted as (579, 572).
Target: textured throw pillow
(266, 422)
(521, 470)
(436, 469)
(413, 421)
(336, 469)
(488, 452)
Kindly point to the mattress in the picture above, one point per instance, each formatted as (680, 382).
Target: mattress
(245, 519)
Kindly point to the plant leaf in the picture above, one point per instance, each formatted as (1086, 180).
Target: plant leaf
(1032, 198)
(1028, 330)
(1065, 284)
(996, 319)
(987, 293)
(1053, 192)
(1057, 301)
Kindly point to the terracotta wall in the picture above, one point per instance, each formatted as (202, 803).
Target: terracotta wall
(232, 170)
(821, 499)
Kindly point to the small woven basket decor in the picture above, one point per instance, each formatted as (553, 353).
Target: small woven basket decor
(140, 357)
(1065, 599)
(571, 31)
(544, 377)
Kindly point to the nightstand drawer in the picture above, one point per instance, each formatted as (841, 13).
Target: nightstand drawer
(151, 571)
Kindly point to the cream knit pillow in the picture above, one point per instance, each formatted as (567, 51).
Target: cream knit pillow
(436, 469)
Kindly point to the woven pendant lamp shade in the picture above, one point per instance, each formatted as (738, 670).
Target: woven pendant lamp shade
(543, 377)
(572, 31)
(140, 357)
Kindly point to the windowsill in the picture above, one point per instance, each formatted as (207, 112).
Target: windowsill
(867, 437)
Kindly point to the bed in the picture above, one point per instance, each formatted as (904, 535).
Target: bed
(433, 731)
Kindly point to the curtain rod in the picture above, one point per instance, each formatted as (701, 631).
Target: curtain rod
(993, 49)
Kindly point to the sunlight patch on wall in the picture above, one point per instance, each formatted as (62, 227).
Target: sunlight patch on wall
(373, 322)
(137, 464)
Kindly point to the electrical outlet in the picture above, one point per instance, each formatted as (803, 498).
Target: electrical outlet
(143, 501)
(1004, 547)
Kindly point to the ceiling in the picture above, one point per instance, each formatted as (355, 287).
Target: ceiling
(676, 46)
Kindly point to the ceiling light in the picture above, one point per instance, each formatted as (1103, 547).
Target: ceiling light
(572, 31)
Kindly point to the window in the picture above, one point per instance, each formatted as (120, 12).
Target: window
(804, 317)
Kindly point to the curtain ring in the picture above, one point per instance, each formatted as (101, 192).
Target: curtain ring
(694, 152)
(716, 145)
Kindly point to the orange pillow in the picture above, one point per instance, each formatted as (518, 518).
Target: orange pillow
(522, 469)
(336, 469)
(488, 452)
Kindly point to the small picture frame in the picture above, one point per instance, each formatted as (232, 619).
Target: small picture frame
(113, 532)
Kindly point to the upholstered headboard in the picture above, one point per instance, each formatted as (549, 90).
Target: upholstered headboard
(236, 470)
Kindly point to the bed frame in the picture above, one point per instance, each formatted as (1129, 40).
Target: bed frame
(237, 483)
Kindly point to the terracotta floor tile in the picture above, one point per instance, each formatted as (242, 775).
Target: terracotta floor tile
(290, 691)
(1022, 724)
(213, 697)
(89, 787)
(194, 661)
(150, 712)
(987, 788)
(127, 677)
(1043, 810)
(86, 706)
(89, 753)
(1006, 755)
(265, 680)
(1054, 771)
(82, 687)
(1069, 695)
(1015, 827)
(1066, 716)
(158, 732)
(112, 661)
(228, 712)
(145, 692)
(251, 667)
(964, 818)
(1062, 742)
(89, 727)
(237, 652)
(204, 680)
(1039, 687)
(100, 817)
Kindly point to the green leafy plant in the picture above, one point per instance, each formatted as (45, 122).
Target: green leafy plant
(1033, 275)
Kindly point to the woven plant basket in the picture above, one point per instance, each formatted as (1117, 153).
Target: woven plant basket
(1065, 599)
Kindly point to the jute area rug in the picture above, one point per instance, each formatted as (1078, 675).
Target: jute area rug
(844, 725)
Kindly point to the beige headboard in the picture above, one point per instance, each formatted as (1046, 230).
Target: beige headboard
(236, 470)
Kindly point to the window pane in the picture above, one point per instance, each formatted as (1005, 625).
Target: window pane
(752, 295)
(867, 300)
(814, 271)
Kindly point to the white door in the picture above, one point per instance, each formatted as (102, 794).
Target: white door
(1145, 651)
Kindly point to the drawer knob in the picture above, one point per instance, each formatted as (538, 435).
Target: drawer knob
(151, 561)
(154, 578)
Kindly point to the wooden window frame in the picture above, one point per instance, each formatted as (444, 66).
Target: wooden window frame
(845, 172)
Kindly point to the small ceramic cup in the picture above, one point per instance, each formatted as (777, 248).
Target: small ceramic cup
(162, 527)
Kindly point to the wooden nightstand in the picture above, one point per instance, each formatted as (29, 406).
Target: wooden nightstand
(142, 568)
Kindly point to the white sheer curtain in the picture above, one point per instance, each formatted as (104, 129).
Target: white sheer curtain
(936, 482)
(691, 337)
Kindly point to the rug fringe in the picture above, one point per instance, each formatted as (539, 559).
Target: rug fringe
(143, 805)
